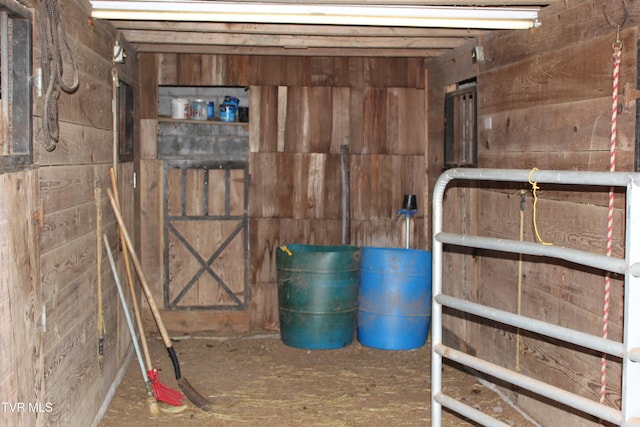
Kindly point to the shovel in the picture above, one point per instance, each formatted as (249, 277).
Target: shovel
(192, 394)
(162, 392)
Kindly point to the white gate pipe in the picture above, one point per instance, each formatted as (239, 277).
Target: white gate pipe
(629, 404)
(583, 339)
(580, 403)
(629, 415)
(616, 179)
(576, 256)
(468, 411)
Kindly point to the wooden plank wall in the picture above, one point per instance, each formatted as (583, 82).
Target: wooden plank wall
(66, 180)
(20, 301)
(544, 100)
(302, 109)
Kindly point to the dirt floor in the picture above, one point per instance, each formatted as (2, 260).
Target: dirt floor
(258, 381)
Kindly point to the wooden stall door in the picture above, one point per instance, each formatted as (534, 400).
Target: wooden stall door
(205, 235)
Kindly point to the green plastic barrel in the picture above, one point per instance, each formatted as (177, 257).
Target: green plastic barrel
(318, 295)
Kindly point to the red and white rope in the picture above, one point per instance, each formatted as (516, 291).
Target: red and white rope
(617, 55)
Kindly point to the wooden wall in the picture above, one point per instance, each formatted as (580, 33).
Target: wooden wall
(544, 100)
(49, 228)
(302, 110)
(20, 299)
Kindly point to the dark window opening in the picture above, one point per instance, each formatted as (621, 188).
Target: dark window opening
(461, 131)
(125, 122)
(15, 86)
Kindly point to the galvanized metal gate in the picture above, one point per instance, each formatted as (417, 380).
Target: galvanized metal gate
(628, 350)
(205, 235)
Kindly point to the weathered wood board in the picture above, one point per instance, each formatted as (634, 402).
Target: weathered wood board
(21, 346)
(296, 71)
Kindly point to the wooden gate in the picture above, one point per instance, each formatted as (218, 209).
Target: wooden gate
(205, 235)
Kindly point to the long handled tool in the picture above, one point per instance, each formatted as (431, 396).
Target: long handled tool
(153, 404)
(162, 392)
(195, 397)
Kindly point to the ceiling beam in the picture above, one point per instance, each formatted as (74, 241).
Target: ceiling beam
(282, 51)
(292, 29)
(289, 41)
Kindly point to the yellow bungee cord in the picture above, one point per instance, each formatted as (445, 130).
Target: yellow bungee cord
(534, 186)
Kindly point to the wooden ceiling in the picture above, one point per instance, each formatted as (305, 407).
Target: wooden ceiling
(307, 40)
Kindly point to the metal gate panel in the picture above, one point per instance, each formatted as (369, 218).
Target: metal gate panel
(628, 350)
(206, 244)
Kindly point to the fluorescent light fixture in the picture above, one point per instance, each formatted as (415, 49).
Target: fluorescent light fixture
(297, 13)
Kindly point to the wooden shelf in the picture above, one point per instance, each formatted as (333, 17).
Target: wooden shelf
(202, 122)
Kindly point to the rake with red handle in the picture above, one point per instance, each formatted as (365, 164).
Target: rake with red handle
(186, 387)
(162, 392)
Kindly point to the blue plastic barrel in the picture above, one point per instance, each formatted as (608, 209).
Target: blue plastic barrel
(394, 311)
(317, 295)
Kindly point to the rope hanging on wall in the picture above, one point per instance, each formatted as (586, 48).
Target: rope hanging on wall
(97, 193)
(52, 40)
(534, 189)
(617, 59)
